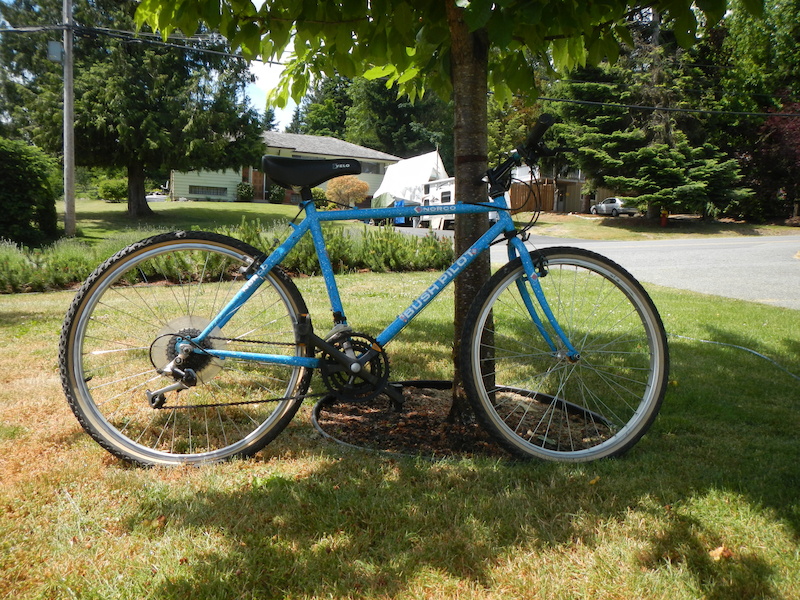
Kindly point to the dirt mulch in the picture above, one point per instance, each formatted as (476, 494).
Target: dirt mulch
(420, 428)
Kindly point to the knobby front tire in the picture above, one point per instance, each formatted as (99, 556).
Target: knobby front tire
(540, 403)
(123, 326)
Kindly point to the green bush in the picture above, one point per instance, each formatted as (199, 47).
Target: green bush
(68, 262)
(244, 192)
(113, 190)
(27, 198)
(16, 268)
(276, 194)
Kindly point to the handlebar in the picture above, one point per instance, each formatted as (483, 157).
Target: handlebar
(535, 136)
(499, 177)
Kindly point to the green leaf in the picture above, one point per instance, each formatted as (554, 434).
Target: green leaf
(403, 20)
(407, 75)
(380, 71)
(477, 14)
(560, 53)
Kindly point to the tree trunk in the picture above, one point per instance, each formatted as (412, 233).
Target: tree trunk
(469, 68)
(137, 202)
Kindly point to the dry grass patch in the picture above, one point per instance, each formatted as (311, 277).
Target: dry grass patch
(705, 506)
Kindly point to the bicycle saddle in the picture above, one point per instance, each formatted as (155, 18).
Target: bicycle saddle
(305, 172)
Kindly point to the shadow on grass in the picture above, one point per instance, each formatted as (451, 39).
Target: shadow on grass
(361, 525)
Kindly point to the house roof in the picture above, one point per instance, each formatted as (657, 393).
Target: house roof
(323, 146)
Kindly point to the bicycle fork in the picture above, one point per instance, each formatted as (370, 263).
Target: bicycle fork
(532, 274)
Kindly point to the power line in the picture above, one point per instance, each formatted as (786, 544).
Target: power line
(155, 39)
(670, 108)
(132, 37)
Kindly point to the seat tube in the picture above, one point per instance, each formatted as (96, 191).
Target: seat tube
(325, 265)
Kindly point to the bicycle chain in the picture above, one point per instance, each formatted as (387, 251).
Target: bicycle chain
(241, 402)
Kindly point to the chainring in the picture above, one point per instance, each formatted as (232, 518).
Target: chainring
(355, 387)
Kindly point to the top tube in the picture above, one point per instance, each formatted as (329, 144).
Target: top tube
(459, 208)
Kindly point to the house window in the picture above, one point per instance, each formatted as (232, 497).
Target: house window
(204, 190)
(372, 167)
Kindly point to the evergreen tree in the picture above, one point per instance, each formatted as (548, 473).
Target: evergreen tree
(323, 111)
(647, 156)
(382, 120)
(139, 106)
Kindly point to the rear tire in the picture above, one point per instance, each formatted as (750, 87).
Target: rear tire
(123, 325)
(540, 403)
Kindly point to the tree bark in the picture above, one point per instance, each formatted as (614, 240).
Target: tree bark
(137, 202)
(469, 72)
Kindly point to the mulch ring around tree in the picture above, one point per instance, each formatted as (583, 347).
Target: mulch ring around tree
(419, 428)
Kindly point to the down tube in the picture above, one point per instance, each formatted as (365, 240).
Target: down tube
(426, 297)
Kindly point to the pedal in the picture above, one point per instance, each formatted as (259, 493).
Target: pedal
(395, 393)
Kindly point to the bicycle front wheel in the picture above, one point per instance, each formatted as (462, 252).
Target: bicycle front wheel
(124, 326)
(539, 402)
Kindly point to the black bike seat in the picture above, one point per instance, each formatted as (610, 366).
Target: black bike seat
(306, 172)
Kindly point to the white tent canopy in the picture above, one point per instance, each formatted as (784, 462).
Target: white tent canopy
(405, 179)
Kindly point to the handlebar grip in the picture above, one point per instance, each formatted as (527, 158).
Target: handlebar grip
(542, 125)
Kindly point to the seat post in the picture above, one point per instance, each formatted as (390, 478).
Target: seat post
(306, 195)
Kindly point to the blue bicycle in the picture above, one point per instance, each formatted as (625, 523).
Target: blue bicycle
(193, 347)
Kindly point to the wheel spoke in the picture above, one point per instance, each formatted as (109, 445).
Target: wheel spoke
(125, 324)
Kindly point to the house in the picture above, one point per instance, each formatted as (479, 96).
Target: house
(374, 164)
(218, 186)
(221, 185)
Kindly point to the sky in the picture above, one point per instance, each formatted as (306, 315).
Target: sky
(267, 76)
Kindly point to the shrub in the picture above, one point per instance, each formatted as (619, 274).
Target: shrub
(68, 262)
(244, 192)
(276, 194)
(348, 190)
(27, 198)
(15, 268)
(113, 190)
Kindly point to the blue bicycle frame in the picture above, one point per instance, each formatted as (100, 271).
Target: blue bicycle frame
(313, 223)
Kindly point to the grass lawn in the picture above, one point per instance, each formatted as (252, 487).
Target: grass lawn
(707, 505)
(98, 219)
(595, 227)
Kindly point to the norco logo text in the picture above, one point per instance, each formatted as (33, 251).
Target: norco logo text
(434, 209)
(437, 286)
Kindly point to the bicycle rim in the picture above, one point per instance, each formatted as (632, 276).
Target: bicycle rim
(122, 328)
(541, 403)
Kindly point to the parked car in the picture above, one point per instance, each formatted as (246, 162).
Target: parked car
(613, 207)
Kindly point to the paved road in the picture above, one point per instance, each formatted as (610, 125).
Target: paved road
(762, 269)
(758, 269)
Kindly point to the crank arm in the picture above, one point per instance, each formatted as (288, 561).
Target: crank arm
(351, 364)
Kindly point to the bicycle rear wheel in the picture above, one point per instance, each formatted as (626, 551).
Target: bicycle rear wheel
(123, 326)
(538, 402)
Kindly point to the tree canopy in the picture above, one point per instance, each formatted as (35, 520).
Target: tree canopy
(458, 48)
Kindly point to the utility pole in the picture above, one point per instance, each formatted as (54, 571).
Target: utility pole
(69, 124)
